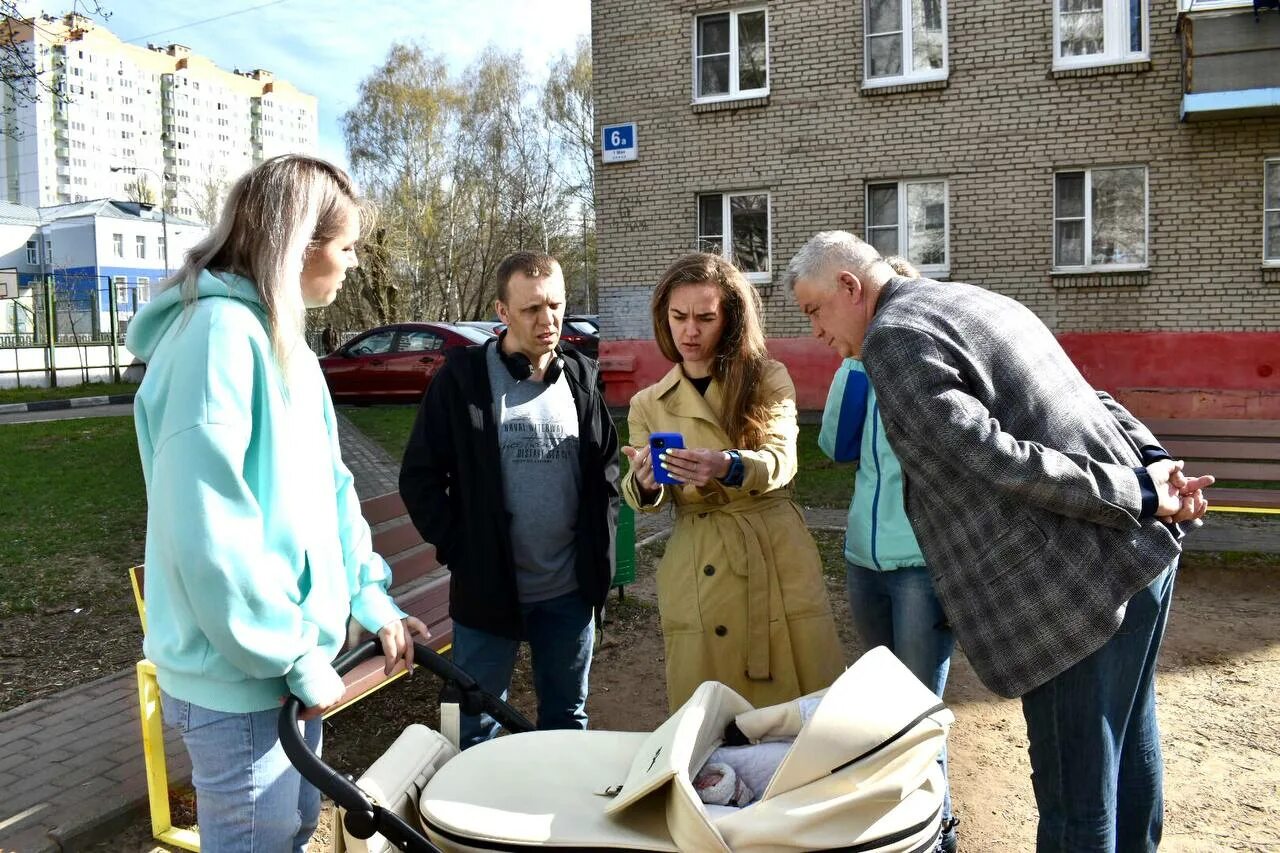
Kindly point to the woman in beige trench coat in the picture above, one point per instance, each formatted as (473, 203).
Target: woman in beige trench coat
(740, 588)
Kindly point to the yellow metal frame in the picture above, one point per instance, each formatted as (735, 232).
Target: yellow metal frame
(153, 738)
(1260, 510)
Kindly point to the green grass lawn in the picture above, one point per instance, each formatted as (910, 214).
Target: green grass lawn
(28, 394)
(75, 515)
(821, 482)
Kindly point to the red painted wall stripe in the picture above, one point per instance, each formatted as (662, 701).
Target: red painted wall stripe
(1159, 374)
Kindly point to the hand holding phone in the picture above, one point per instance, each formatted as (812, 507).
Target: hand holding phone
(659, 442)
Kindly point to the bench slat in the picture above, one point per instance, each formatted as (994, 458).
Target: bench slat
(1248, 471)
(407, 568)
(382, 508)
(1252, 498)
(1190, 448)
(390, 539)
(1169, 428)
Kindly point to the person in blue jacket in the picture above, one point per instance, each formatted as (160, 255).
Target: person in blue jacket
(891, 597)
(256, 550)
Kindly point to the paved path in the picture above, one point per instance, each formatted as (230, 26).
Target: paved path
(71, 764)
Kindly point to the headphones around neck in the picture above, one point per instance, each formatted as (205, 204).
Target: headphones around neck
(521, 368)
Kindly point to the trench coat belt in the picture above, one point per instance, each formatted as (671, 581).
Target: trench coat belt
(741, 526)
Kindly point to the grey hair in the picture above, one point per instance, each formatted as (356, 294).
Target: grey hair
(827, 249)
(273, 214)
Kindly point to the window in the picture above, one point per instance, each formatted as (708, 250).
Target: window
(374, 344)
(143, 291)
(419, 341)
(121, 287)
(160, 250)
(1270, 211)
(33, 252)
(1100, 218)
(910, 218)
(730, 55)
(141, 246)
(1098, 32)
(906, 40)
(117, 245)
(736, 226)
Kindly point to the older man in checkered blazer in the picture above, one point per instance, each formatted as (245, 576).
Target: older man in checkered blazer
(1049, 516)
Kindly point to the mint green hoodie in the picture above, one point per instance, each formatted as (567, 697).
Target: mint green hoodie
(878, 535)
(256, 549)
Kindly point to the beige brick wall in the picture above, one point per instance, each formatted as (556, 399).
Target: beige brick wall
(997, 131)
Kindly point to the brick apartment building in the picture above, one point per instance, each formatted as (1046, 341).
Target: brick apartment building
(1113, 164)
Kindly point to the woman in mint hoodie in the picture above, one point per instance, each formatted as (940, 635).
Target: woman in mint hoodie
(891, 596)
(256, 549)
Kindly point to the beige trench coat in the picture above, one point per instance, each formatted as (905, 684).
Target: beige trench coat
(740, 588)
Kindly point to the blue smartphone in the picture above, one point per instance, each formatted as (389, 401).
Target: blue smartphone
(659, 442)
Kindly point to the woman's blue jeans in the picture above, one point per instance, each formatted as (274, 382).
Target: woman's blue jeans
(1095, 746)
(899, 609)
(249, 798)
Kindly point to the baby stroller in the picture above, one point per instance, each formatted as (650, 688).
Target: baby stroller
(856, 770)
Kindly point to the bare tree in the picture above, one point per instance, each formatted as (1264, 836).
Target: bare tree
(139, 190)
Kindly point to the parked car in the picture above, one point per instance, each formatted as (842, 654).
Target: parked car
(492, 326)
(581, 332)
(394, 362)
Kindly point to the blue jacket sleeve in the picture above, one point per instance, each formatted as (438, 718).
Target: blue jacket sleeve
(845, 412)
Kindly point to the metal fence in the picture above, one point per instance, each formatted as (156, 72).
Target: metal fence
(68, 326)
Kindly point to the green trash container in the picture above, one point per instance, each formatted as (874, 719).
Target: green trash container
(625, 548)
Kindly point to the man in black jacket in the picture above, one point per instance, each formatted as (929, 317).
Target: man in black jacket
(512, 473)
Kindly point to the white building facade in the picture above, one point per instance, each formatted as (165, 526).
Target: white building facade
(120, 116)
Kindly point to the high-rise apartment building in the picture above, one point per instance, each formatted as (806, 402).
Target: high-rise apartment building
(110, 118)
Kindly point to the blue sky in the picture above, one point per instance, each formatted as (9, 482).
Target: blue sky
(326, 47)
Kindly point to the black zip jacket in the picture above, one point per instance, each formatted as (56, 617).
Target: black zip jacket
(451, 483)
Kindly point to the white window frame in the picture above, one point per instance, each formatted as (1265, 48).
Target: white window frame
(120, 289)
(1273, 260)
(726, 238)
(33, 253)
(1212, 5)
(117, 245)
(140, 246)
(928, 75)
(1088, 220)
(143, 290)
(904, 234)
(1115, 37)
(734, 93)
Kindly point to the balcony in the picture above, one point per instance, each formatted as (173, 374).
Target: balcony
(1230, 59)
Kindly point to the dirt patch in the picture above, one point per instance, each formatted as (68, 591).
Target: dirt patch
(1217, 706)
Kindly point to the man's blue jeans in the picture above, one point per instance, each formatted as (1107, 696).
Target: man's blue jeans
(1095, 745)
(249, 799)
(561, 637)
(899, 609)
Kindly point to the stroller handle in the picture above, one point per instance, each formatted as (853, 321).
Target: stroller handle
(364, 818)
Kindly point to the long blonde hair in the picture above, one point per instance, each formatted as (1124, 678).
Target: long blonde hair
(273, 215)
(740, 356)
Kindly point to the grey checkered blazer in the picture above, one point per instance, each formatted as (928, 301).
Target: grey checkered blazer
(1020, 480)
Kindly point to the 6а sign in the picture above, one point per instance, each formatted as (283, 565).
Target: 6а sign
(618, 142)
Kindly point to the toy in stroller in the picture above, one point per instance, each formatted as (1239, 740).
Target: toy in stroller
(851, 768)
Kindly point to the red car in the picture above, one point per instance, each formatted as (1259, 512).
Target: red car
(394, 362)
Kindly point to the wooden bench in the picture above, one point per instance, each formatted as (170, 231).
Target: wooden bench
(1242, 450)
(420, 586)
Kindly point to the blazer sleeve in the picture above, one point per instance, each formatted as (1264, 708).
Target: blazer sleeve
(925, 397)
(1143, 439)
(845, 413)
(428, 467)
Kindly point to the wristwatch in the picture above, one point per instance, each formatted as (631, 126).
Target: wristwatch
(736, 470)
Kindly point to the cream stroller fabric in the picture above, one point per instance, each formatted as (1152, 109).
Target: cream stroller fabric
(397, 778)
(862, 772)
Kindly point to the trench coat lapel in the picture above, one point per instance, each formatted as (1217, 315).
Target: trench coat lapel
(683, 400)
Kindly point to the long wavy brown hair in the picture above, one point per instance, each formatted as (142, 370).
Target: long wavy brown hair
(740, 357)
